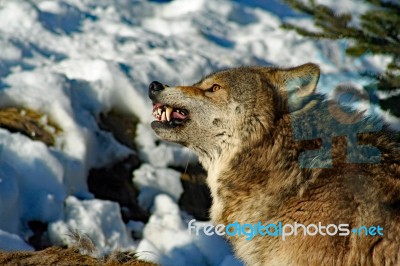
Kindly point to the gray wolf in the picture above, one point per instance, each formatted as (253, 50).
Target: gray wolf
(240, 123)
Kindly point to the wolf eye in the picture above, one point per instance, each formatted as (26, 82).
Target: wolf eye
(214, 88)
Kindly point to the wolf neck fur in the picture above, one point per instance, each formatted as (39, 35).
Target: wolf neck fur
(223, 166)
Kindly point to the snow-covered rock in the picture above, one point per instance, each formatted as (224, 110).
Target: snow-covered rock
(100, 220)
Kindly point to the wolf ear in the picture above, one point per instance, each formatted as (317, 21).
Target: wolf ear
(300, 85)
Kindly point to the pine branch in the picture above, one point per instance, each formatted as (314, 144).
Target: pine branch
(377, 33)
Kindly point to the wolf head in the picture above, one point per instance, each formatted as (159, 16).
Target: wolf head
(230, 107)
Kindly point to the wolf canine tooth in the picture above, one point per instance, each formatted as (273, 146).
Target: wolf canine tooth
(168, 112)
(163, 118)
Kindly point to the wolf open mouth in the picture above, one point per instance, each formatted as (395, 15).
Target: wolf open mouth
(169, 115)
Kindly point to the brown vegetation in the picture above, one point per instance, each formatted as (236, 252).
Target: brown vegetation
(66, 257)
(29, 123)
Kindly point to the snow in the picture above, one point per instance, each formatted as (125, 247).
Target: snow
(169, 240)
(75, 59)
(100, 220)
(28, 167)
(12, 242)
(152, 181)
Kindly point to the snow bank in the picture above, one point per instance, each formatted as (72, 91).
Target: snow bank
(167, 240)
(12, 242)
(98, 219)
(31, 182)
(152, 181)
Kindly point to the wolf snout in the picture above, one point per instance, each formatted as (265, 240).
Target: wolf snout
(155, 87)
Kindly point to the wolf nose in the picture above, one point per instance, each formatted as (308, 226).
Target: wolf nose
(155, 86)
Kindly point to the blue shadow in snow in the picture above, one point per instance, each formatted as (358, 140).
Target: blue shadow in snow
(3, 86)
(219, 40)
(274, 6)
(66, 22)
(242, 16)
(160, 1)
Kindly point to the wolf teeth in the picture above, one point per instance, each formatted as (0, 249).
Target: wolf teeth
(168, 112)
(163, 116)
(164, 113)
(180, 111)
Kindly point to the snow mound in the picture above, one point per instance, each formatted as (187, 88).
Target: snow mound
(12, 242)
(98, 219)
(167, 240)
(152, 181)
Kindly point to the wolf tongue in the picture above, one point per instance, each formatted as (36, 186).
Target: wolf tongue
(177, 115)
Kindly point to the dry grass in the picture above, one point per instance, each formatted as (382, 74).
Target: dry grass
(29, 123)
(82, 254)
(66, 257)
